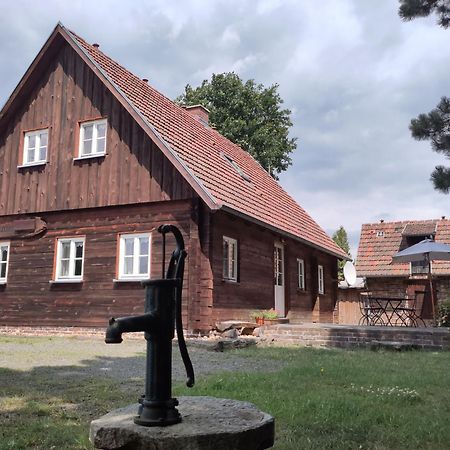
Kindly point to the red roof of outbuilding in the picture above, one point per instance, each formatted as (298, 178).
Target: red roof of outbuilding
(379, 242)
(199, 152)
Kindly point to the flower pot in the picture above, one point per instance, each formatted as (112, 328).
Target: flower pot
(259, 320)
(271, 321)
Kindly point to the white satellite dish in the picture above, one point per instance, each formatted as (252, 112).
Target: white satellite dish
(350, 273)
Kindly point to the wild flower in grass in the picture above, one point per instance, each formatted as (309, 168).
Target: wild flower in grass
(394, 392)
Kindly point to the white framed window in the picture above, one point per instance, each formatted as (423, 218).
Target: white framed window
(301, 273)
(35, 145)
(230, 258)
(70, 259)
(4, 259)
(92, 138)
(320, 280)
(134, 256)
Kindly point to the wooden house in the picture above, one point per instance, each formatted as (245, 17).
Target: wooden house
(93, 159)
(379, 242)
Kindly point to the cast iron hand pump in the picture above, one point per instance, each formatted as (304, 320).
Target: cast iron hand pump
(162, 313)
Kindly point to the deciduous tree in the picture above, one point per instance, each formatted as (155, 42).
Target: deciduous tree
(248, 114)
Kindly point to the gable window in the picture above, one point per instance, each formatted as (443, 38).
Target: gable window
(69, 259)
(134, 256)
(320, 280)
(230, 256)
(4, 257)
(301, 273)
(35, 147)
(92, 139)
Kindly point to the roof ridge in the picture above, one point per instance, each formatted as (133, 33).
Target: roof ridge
(403, 222)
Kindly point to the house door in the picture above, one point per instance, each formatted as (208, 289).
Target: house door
(279, 279)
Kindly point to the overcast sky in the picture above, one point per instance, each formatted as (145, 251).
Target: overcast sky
(351, 71)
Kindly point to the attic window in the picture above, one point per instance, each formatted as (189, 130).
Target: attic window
(236, 167)
(35, 147)
(92, 139)
(380, 233)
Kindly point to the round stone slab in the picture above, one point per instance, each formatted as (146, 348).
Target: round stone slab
(208, 423)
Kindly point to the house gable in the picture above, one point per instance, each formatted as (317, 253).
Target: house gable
(68, 92)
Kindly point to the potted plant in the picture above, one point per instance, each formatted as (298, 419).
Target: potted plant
(258, 317)
(271, 316)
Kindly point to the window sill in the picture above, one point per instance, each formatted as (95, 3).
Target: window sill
(84, 158)
(29, 166)
(129, 280)
(2, 282)
(68, 281)
(227, 280)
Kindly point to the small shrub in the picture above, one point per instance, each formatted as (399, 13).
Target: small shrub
(443, 319)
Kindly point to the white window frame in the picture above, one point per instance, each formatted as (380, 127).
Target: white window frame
(320, 279)
(36, 161)
(94, 153)
(2, 246)
(136, 255)
(229, 272)
(301, 274)
(71, 277)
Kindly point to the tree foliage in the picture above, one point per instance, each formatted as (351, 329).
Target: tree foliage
(410, 9)
(435, 126)
(340, 238)
(248, 114)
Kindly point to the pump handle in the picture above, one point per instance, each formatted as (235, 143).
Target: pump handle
(176, 270)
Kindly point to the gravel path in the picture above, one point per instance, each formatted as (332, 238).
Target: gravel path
(87, 357)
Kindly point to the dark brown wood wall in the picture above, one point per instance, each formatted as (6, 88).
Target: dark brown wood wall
(255, 288)
(132, 171)
(29, 299)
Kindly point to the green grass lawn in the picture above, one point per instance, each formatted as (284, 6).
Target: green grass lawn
(320, 399)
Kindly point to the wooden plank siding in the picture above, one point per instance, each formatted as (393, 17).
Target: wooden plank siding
(67, 94)
(97, 298)
(255, 286)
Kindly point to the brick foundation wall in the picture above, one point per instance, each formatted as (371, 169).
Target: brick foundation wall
(342, 336)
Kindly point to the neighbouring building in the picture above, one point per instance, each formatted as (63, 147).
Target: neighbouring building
(379, 242)
(93, 159)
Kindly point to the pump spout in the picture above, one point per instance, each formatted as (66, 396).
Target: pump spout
(129, 324)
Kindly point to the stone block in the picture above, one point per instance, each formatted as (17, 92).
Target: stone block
(207, 423)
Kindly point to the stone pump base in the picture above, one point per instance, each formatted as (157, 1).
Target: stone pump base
(208, 423)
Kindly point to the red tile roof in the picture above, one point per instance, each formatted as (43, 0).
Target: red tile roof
(379, 242)
(202, 150)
